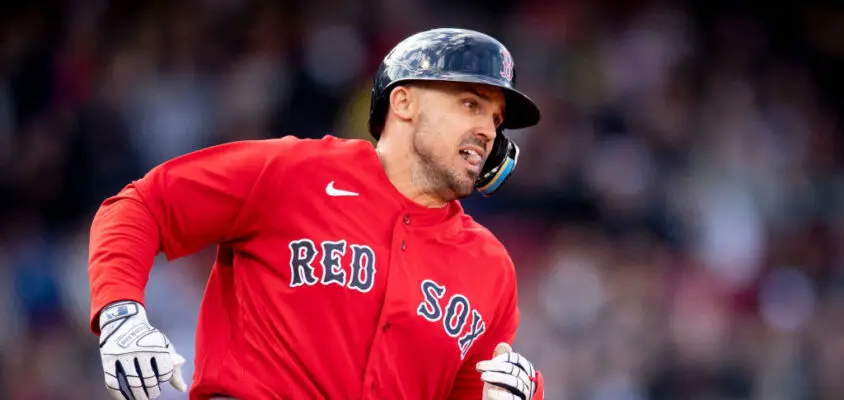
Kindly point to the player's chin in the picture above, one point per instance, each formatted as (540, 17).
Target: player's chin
(466, 186)
(463, 180)
(464, 191)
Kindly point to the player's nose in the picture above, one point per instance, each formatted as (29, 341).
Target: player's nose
(486, 132)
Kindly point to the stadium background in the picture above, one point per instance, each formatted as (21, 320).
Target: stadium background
(676, 218)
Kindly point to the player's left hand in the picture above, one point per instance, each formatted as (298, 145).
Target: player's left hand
(510, 376)
(136, 357)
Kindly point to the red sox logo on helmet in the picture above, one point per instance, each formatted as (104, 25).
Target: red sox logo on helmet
(507, 65)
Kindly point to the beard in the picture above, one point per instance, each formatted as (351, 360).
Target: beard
(437, 171)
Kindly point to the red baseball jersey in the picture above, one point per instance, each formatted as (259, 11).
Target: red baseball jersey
(328, 282)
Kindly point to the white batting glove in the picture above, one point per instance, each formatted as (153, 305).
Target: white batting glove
(510, 376)
(136, 357)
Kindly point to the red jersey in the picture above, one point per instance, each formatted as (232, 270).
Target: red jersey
(328, 282)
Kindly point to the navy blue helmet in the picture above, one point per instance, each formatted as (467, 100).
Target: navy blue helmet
(458, 55)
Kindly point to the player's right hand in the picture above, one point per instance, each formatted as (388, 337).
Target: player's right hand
(136, 357)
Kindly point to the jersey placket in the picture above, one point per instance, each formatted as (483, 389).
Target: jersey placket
(371, 379)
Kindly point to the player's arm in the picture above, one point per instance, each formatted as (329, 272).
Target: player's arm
(177, 208)
(468, 384)
(502, 328)
(492, 370)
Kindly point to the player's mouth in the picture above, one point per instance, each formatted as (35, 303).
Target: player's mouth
(474, 157)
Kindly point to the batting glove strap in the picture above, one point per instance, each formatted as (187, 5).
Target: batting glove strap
(136, 356)
(515, 374)
(540, 387)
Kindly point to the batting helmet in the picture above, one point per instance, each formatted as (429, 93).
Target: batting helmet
(458, 55)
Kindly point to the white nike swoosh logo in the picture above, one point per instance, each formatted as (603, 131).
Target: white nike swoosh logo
(337, 192)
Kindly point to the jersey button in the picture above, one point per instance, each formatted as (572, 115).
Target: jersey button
(386, 327)
(407, 219)
(403, 245)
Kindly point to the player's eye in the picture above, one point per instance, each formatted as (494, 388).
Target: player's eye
(471, 104)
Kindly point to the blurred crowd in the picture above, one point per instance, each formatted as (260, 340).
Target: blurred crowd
(676, 218)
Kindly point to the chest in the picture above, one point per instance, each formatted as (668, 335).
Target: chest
(371, 269)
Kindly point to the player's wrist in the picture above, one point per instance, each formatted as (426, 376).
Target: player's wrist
(122, 309)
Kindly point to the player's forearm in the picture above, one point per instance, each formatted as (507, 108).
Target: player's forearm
(123, 243)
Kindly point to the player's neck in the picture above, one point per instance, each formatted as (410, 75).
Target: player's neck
(401, 172)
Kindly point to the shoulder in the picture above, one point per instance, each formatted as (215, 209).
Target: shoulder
(293, 146)
(327, 146)
(487, 246)
(291, 153)
(498, 277)
(285, 148)
(326, 155)
(472, 227)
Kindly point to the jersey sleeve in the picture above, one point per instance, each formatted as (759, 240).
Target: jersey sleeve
(177, 208)
(468, 384)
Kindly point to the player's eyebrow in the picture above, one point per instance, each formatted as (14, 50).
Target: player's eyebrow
(476, 92)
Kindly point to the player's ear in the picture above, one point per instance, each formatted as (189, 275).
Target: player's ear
(404, 103)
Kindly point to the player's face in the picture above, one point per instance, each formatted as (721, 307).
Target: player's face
(454, 133)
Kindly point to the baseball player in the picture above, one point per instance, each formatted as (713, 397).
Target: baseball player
(343, 270)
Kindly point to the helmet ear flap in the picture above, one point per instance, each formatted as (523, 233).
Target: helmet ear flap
(499, 165)
(378, 105)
